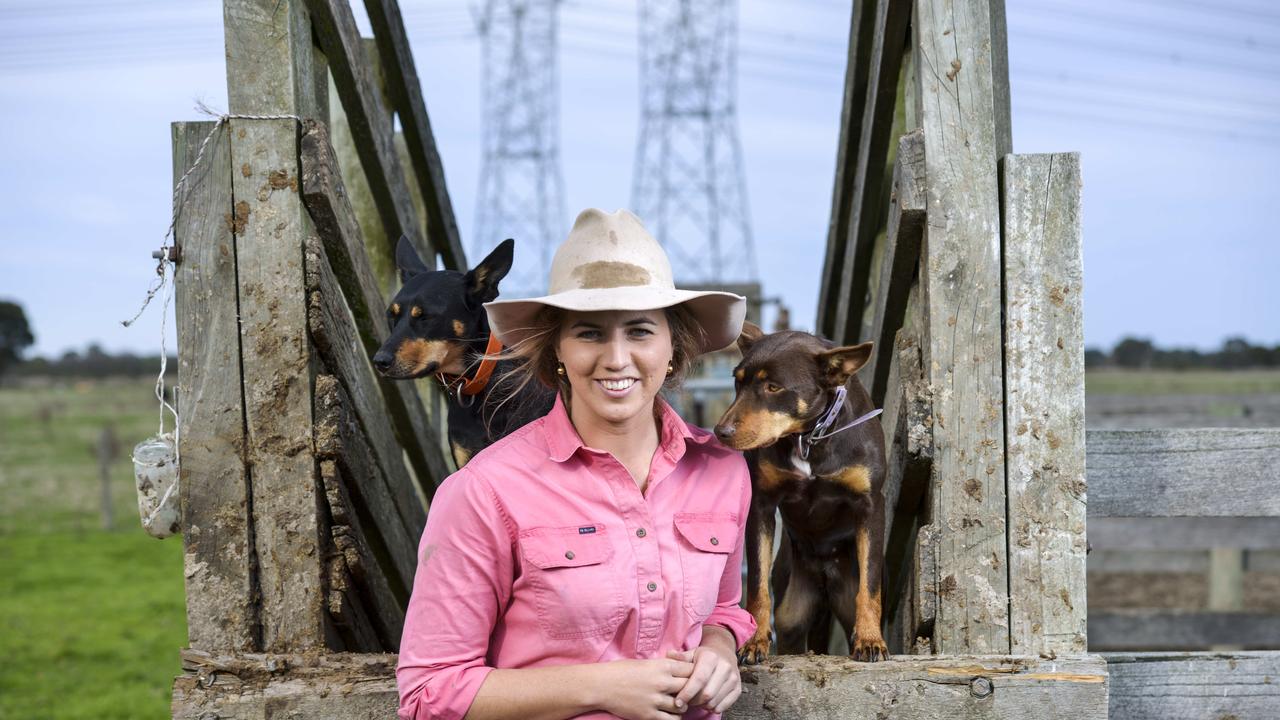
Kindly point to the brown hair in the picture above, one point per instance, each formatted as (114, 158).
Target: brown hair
(537, 352)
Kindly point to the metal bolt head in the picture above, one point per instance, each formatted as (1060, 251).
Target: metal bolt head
(980, 687)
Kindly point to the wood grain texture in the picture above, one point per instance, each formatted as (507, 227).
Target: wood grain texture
(1183, 533)
(933, 688)
(1183, 473)
(271, 63)
(1044, 402)
(370, 124)
(963, 354)
(1194, 686)
(839, 235)
(344, 247)
(866, 212)
(406, 96)
(900, 262)
(217, 537)
(335, 686)
(334, 333)
(1182, 629)
(271, 223)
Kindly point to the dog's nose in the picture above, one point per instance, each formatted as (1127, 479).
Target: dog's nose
(724, 432)
(382, 360)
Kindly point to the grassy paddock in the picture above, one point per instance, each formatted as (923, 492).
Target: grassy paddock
(90, 620)
(1182, 382)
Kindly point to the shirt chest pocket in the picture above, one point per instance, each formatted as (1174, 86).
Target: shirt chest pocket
(576, 591)
(706, 541)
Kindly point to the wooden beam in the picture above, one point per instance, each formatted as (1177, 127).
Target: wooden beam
(930, 688)
(217, 535)
(1183, 473)
(326, 198)
(371, 128)
(1193, 686)
(963, 354)
(900, 262)
(1183, 533)
(1044, 402)
(406, 96)
(271, 63)
(1181, 629)
(866, 211)
(839, 236)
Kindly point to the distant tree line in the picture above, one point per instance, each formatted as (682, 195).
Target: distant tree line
(94, 363)
(1139, 353)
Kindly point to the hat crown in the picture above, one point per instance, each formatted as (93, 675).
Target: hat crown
(609, 250)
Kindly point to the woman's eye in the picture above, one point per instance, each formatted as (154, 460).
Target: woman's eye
(589, 335)
(641, 332)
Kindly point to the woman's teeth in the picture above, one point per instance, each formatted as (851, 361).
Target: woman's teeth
(617, 384)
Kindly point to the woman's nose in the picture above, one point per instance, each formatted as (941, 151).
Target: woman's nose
(616, 355)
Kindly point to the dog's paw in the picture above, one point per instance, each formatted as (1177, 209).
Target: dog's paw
(755, 651)
(869, 649)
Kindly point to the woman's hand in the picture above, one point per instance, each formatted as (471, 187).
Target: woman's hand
(643, 689)
(715, 682)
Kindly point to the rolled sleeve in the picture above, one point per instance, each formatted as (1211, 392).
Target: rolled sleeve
(727, 612)
(463, 578)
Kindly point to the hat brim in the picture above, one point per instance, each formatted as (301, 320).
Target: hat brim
(720, 314)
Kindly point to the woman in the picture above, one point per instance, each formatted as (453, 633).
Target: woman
(589, 563)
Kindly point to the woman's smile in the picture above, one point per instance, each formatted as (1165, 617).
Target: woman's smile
(617, 387)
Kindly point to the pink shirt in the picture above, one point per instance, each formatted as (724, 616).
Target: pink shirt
(542, 551)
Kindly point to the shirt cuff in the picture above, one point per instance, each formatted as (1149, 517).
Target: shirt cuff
(446, 695)
(737, 621)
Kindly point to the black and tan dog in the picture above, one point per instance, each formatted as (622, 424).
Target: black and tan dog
(439, 327)
(825, 477)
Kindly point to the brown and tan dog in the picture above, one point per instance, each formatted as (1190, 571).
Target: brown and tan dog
(796, 415)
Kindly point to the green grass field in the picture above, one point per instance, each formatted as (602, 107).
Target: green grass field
(91, 620)
(1182, 382)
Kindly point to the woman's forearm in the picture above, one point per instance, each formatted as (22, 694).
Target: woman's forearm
(718, 637)
(546, 693)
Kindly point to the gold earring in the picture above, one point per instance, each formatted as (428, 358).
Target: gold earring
(560, 369)
(671, 367)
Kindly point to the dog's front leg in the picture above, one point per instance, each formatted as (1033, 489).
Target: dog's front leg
(867, 643)
(760, 530)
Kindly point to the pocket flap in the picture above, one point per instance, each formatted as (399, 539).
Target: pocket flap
(566, 547)
(708, 532)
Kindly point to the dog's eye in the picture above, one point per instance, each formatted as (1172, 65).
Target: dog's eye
(772, 387)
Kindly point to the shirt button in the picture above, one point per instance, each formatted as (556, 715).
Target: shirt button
(715, 541)
(568, 555)
(640, 533)
(653, 586)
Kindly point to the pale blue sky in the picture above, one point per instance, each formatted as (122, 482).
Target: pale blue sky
(1174, 105)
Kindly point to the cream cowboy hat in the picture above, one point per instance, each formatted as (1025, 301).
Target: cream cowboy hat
(610, 262)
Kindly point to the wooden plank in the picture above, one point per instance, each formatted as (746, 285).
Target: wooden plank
(371, 127)
(406, 97)
(924, 608)
(337, 686)
(1148, 561)
(270, 70)
(866, 212)
(1044, 402)
(326, 198)
(1194, 686)
(963, 354)
(1226, 472)
(333, 331)
(217, 536)
(1181, 629)
(340, 438)
(839, 237)
(900, 262)
(936, 688)
(1183, 533)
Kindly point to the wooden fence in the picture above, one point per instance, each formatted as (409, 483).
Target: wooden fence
(306, 478)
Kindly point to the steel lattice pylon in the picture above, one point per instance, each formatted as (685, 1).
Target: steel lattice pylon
(688, 185)
(521, 190)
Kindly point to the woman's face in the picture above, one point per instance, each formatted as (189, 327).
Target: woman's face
(615, 361)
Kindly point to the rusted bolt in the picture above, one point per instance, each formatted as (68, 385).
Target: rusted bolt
(980, 687)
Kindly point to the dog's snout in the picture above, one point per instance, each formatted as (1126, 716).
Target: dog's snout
(725, 431)
(382, 360)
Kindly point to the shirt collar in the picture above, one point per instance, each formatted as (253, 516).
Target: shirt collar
(673, 437)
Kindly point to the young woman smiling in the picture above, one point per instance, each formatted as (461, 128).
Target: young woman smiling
(588, 565)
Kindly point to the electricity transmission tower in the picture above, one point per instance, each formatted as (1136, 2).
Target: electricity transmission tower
(688, 185)
(521, 190)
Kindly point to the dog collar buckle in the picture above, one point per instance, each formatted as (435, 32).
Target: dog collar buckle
(806, 440)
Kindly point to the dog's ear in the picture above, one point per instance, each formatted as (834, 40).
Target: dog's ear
(482, 280)
(838, 365)
(407, 260)
(750, 333)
